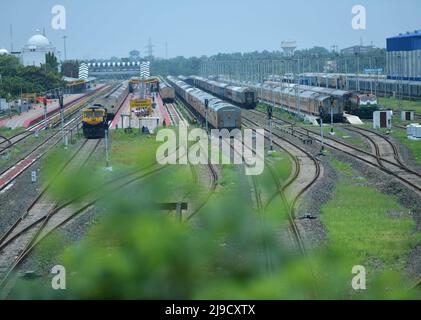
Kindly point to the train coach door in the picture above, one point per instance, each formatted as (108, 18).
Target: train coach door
(383, 120)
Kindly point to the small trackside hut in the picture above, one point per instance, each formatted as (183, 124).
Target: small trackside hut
(382, 119)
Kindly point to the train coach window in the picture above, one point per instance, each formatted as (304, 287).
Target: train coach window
(98, 114)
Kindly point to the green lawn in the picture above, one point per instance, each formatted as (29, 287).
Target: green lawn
(412, 145)
(370, 226)
(6, 132)
(394, 104)
(129, 150)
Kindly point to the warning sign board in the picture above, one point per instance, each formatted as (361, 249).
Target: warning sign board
(145, 103)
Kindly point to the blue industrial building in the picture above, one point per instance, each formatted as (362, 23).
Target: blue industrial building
(404, 56)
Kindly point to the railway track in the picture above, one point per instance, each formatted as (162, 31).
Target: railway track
(294, 188)
(176, 116)
(8, 175)
(45, 216)
(7, 143)
(214, 177)
(392, 167)
(41, 213)
(383, 147)
(299, 182)
(52, 120)
(192, 117)
(175, 119)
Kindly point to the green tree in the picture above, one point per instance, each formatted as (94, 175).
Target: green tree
(18, 79)
(51, 63)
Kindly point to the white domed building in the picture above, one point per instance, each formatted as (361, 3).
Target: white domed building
(33, 53)
(3, 52)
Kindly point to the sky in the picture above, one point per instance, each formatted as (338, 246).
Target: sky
(106, 28)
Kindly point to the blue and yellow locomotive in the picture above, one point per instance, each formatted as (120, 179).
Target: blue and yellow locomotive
(95, 121)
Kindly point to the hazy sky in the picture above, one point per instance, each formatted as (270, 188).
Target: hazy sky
(105, 28)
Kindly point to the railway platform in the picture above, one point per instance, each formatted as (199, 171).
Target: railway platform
(123, 111)
(25, 119)
(160, 106)
(125, 119)
(354, 120)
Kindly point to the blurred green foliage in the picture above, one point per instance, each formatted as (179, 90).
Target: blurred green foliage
(227, 251)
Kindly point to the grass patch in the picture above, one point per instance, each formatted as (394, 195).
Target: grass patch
(363, 222)
(412, 145)
(339, 134)
(279, 113)
(399, 134)
(278, 167)
(135, 149)
(22, 148)
(8, 132)
(394, 104)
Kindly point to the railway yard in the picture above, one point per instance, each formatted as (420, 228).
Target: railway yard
(355, 194)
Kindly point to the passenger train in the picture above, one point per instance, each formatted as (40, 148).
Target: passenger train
(95, 118)
(166, 92)
(242, 96)
(113, 100)
(220, 114)
(362, 83)
(359, 104)
(298, 99)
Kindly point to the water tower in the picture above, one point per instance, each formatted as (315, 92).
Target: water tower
(289, 47)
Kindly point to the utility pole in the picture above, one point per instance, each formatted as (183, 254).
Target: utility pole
(331, 115)
(321, 113)
(206, 114)
(107, 160)
(270, 117)
(358, 71)
(45, 111)
(61, 102)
